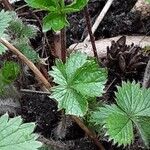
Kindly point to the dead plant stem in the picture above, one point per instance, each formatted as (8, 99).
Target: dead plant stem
(7, 5)
(63, 44)
(89, 26)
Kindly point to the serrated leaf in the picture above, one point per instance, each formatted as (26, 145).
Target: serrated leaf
(2, 49)
(119, 128)
(59, 73)
(5, 18)
(73, 90)
(50, 5)
(118, 124)
(133, 108)
(16, 135)
(76, 6)
(27, 50)
(74, 62)
(100, 116)
(55, 21)
(70, 100)
(133, 99)
(21, 30)
(143, 125)
(89, 78)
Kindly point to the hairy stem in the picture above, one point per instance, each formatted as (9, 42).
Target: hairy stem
(63, 45)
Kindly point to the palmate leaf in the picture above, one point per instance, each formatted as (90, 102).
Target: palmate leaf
(16, 135)
(133, 108)
(133, 99)
(78, 79)
(55, 21)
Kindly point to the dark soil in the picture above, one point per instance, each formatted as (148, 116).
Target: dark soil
(41, 109)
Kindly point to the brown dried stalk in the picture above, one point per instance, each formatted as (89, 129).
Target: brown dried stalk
(89, 27)
(7, 5)
(42, 79)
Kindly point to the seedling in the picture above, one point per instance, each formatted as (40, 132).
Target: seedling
(132, 111)
(57, 12)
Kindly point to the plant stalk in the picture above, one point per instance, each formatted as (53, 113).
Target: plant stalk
(7, 5)
(89, 27)
(63, 44)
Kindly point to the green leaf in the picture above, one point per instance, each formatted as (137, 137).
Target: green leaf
(50, 5)
(21, 30)
(9, 71)
(74, 62)
(16, 135)
(119, 128)
(133, 108)
(90, 79)
(133, 99)
(5, 18)
(27, 50)
(68, 99)
(59, 73)
(76, 6)
(54, 21)
(100, 116)
(143, 124)
(2, 49)
(118, 124)
(76, 83)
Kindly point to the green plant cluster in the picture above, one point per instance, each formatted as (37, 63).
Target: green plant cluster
(57, 12)
(20, 34)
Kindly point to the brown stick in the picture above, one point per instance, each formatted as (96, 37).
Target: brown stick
(7, 5)
(27, 62)
(88, 132)
(47, 85)
(89, 27)
(63, 44)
